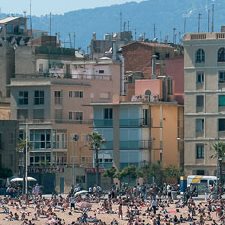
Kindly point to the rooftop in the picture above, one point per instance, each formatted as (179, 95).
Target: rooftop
(204, 36)
(149, 44)
(8, 19)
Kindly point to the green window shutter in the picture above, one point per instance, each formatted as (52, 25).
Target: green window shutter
(221, 100)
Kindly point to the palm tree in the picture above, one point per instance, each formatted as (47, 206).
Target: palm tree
(96, 140)
(219, 154)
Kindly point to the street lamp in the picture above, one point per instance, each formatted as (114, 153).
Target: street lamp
(75, 139)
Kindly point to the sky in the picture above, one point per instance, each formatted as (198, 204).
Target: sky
(43, 7)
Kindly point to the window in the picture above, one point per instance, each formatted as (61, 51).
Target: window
(40, 139)
(38, 114)
(200, 56)
(221, 76)
(108, 113)
(77, 116)
(199, 125)
(39, 97)
(23, 98)
(200, 100)
(221, 124)
(58, 114)
(76, 94)
(200, 77)
(200, 172)
(221, 55)
(221, 100)
(101, 71)
(199, 151)
(22, 114)
(58, 97)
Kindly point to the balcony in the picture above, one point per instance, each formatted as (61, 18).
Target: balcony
(129, 145)
(103, 123)
(133, 123)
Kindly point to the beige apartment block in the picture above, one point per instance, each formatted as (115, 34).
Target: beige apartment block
(204, 105)
(56, 109)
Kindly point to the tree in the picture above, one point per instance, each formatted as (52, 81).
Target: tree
(111, 173)
(130, 172)
(219, 154)
(96, 140)
(172, 173)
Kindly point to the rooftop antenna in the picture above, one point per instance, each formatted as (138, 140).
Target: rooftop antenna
(124, 26)
(199, 20)
(212, 17)
(50, 24)
(174, 35)
(70, 41)
(185, 24)
(31, 19)
(121, 21)
(135, 34)
(154, 31)
(74, 40)
(208, 19)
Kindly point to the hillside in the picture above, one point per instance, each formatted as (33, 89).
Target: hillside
(165, 14)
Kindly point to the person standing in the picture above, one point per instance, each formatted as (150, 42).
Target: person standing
(154, 205)
(120, 211)
(72, 202)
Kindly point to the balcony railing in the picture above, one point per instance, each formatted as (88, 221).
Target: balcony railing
(133, 123)
(126, 145)
(103, 123)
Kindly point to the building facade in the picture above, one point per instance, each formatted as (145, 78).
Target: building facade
(204, 120)
(141, 130)
(55, 109)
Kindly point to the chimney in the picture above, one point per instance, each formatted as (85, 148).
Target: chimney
(154, 67)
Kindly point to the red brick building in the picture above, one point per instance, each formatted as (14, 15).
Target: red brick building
(169, 61)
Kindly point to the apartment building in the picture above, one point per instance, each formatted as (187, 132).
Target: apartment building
(55, 109)
(204, 118)
(143, 129)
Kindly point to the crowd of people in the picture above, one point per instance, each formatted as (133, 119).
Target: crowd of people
(139, 205)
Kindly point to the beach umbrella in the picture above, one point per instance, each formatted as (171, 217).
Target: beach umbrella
(80, 192)
(19, 179)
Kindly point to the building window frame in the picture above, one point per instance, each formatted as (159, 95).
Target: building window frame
(221, 55)
(200, 77)
(200, 151)
(221, 124)
(39, 97)
(23, 98)
(76, 116)
(200, 56)
(108, 113)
